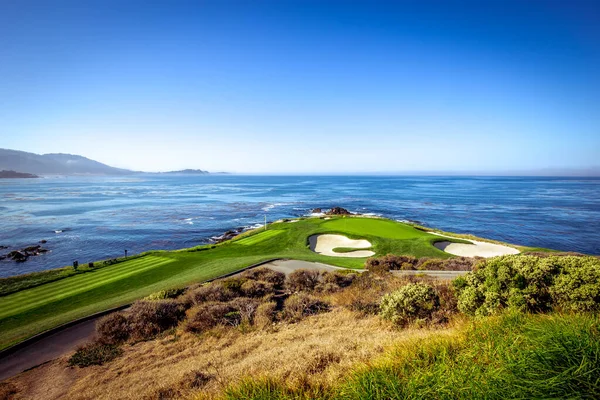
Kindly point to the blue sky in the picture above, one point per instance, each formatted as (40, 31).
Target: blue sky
(292, 87)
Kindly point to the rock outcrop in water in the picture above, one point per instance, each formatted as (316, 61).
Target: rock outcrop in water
(338, 211)
(23, 254)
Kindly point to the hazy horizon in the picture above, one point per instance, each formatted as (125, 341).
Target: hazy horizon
(498, 87)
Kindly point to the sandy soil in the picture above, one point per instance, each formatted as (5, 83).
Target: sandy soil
(324, 244)
(476, 249)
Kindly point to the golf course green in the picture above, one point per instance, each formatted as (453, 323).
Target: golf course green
(34, 308)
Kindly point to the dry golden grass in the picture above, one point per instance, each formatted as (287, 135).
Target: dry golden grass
(317, 350)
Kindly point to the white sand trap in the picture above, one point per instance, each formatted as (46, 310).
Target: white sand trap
(476, 249)
(324, 244)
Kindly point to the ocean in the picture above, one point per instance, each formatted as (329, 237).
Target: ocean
(92, 218)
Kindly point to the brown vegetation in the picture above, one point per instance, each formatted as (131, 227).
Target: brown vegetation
(393, 262)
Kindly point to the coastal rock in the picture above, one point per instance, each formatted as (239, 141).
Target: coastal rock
(18, 256)
(338, 211)
(43, 241)
(3, 247)
(316, 211)
(228, 235)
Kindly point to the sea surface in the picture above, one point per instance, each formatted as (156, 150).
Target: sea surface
(92, 218)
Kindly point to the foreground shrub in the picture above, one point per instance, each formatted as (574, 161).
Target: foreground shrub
(577, 286)
(302, 280)
(246, 307)
(94, 354)
(264, 274)
(113, 328)
(531, 283)
(301, 305)
(461, 263)
(209, 315)
(413, 302)
(149, 318)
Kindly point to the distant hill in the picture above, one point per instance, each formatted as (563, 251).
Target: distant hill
(55, 164)
(14, 174)
(188, 172)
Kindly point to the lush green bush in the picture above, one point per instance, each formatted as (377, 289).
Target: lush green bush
(94, 354)
(412, 302)
(531, 283)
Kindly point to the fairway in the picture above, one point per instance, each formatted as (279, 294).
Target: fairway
(259, 237)
(34, 309)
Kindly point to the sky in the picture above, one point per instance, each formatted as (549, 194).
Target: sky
(447, 86)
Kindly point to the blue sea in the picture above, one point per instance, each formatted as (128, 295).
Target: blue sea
(92, 218)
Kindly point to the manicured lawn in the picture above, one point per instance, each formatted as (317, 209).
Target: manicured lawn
(32, 310)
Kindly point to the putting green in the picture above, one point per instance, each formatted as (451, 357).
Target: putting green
(259, 237)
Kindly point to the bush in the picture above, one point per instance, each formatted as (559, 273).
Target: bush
(390, 262)
(433, 264)
(266, 314)
(461, 263)
(302, 280)
(209, 315)
(577, 287)
(149, 318)
(334, 281)
(531, 283)
(211, 292)
(252, 288)
(165, 294)
(94, 354)
(246, 308)
(264, 274)
(113, 328)
(195, 380)
(415, 301)
(300, 305)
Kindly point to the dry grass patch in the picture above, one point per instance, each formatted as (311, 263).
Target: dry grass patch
(315, 351)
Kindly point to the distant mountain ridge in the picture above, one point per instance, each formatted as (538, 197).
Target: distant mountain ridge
(55, 164)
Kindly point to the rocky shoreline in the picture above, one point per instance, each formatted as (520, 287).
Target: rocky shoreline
(22, 255)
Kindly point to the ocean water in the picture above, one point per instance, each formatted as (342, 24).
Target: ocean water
(91, 218)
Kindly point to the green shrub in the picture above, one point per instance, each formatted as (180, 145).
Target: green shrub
(577, 287)
(412, 302)
(94, 354)
(531, 283)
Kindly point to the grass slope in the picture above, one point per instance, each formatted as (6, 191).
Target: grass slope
(33, 310)
(513, 356)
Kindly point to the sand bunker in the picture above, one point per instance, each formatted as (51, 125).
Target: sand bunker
(476, 249)
(324, 244)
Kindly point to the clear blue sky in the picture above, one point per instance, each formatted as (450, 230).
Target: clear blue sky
(308, 86)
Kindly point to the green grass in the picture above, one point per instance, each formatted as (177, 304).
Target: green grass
(514, 356)
(27, 311)
(259, 237)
